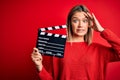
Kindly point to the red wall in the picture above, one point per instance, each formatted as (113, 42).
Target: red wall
(20, 19)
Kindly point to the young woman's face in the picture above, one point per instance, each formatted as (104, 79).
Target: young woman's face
(79, 24)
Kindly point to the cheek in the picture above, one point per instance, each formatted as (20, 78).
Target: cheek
(74, 26)
(86, 26)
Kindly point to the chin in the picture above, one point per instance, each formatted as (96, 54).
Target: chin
(81, 34)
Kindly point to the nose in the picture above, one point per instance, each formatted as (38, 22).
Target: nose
(80, 24)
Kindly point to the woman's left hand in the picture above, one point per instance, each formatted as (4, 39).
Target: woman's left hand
(95, 24)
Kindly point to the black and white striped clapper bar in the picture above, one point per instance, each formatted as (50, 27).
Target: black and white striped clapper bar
(51, 44)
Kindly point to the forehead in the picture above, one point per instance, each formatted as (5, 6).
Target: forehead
(79, 15)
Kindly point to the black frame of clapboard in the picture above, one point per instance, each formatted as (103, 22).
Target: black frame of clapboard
(49, 43)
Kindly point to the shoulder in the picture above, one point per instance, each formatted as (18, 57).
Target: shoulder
(99, 46)
(96, 44)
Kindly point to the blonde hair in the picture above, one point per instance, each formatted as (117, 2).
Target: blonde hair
(89, 34)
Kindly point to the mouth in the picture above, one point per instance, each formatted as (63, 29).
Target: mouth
(80, 30)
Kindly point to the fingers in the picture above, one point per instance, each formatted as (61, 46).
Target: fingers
(35, 59)
(95, 19)
(36, 55)
(88, 15)
(90, 18)
(35, 50)
(97, 25)
(93, 16)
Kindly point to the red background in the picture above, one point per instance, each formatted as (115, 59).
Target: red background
(20, 19)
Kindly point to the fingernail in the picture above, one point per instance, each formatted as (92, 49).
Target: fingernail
(35, 50)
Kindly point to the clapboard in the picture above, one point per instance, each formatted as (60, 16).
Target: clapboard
(51, 44)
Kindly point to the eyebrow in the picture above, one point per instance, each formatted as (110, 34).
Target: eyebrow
(77, 17)
(74, 17)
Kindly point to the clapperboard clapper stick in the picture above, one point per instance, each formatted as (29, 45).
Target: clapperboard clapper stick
(51, 44)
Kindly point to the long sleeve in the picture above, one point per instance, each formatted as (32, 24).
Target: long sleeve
(95, 59)
(44, 75)
(112, 39)
(47, 70)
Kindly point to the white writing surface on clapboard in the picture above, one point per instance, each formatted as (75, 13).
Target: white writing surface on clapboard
(51, 44)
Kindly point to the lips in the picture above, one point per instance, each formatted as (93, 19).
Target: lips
(80, 30)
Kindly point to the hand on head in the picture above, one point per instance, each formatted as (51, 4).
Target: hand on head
(94, 23)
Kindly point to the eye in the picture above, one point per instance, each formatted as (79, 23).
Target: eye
(75, 21)
(85, 20)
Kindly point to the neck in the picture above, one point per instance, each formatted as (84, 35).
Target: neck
(77, 39)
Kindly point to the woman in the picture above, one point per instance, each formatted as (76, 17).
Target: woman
(83, 60)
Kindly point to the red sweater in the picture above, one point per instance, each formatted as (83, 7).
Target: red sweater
(82, 62)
